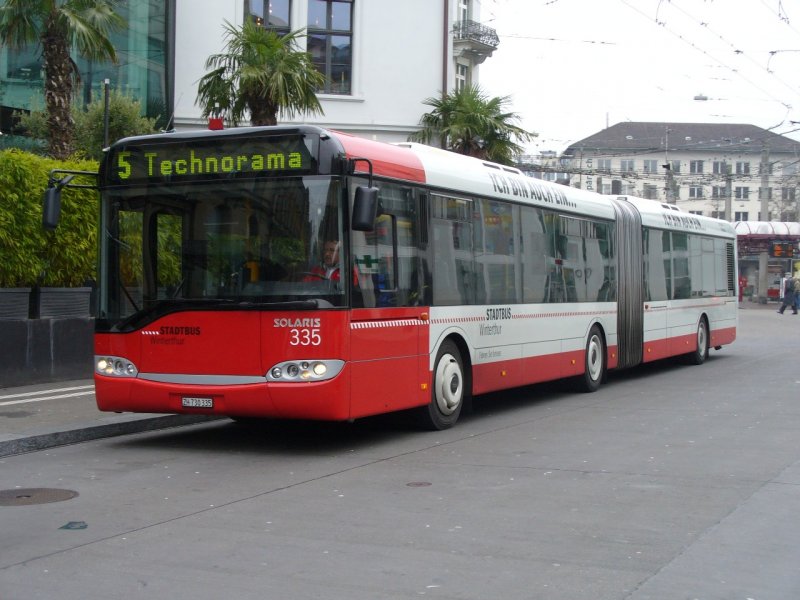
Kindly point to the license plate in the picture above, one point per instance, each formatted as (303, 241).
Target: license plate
(197, 402)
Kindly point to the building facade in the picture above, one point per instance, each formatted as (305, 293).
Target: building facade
(143, 70)
(705, 168)
(381, 58)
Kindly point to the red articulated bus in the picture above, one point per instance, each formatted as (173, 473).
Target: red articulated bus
(293, 272)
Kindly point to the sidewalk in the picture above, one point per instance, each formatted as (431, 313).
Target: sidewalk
(43, 416)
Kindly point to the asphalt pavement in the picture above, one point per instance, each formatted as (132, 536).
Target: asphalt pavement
(37, 417)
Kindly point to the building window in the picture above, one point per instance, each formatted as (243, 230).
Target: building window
(24, 64)
(272, 14)
(651, 166)
(717, 214)
(463, 10)
(761, 169)
(741, 193)
(695, 191)
(626, 165)
(718, 191)
(675, 166)
(696, 167)
(696, 212)
(650, 191)
(743, 168)
(462, 76)
(604, 164)
(788, 193)
(330, 34)
(720, 167)
(740, 216)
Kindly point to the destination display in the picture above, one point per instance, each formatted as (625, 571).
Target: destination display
(210, 158)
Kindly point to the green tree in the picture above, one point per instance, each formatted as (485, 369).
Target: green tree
(58, 26)
(262, 73)
(124, 119)
(468, 122)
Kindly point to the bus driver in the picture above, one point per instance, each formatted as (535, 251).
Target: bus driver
(330, 263)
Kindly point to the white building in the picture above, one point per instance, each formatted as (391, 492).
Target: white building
(383, 58)
(705, 168)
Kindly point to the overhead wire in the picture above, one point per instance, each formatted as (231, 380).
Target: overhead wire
(735, 47)
(708, 54)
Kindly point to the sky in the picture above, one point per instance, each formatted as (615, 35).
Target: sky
(575, 67)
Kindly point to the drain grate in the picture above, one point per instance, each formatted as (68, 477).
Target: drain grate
(29, 496)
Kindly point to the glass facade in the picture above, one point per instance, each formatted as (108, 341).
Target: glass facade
(143, 68)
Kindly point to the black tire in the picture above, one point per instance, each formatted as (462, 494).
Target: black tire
(700, 354)
(449, 391)
(594, 362)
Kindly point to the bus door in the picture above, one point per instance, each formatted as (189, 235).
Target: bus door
(389, 326)
(657, 278)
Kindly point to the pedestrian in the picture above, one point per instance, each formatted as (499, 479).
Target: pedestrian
(796, 292)
(788, 295)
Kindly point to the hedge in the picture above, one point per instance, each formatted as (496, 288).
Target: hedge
(29, 255)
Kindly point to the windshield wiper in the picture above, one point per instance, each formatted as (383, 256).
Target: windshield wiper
(164, 307)
(288, 304)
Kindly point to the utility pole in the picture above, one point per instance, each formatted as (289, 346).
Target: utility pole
(763, 196)
(668, 181)
(728, 193)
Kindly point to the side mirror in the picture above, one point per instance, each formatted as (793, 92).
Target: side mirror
(365, 208)
(51, 208)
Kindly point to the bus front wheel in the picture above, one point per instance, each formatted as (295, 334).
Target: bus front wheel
(449, 389)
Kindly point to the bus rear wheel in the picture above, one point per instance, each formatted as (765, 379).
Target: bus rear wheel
(594, 361)
(700, 354)
(449, 390)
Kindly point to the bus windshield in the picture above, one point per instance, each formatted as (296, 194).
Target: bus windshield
(222, 244)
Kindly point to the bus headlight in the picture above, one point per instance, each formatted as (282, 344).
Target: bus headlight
(114, 366)
(305, 370)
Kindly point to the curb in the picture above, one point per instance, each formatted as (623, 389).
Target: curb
(43, 441)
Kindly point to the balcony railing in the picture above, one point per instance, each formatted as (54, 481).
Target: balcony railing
(476, 32)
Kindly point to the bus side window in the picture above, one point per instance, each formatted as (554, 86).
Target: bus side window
(453, 260)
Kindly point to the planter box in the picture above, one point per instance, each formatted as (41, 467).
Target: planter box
(64, 302)
(14, 303)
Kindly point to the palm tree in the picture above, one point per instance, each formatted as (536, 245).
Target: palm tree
(59, 27)
(262, 73)
(467, 121)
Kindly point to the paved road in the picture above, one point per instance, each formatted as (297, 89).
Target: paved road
(670, 483)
